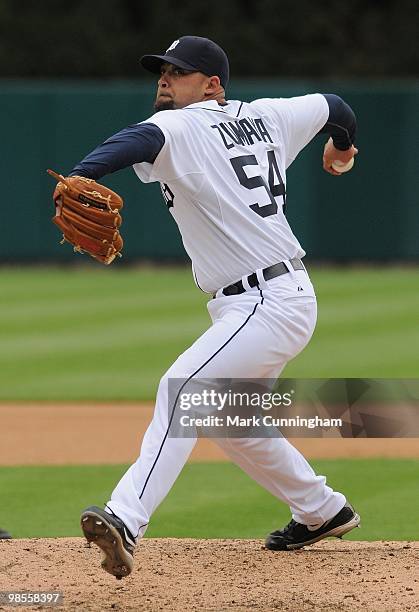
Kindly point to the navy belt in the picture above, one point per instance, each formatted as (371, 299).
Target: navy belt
(270, 272)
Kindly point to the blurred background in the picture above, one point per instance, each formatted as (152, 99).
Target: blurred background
(70, 78)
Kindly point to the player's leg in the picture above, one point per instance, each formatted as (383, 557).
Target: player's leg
(139, 492)
(279, 332)
(283, 471)
(149, 479)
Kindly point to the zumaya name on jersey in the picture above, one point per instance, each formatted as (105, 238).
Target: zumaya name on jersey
(244, 131)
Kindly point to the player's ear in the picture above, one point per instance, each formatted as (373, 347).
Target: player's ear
(213, 89)
(213, 85)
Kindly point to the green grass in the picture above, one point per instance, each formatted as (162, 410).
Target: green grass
(109, 334)
(209, 500)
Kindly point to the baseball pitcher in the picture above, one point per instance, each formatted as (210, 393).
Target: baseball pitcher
(222, 169)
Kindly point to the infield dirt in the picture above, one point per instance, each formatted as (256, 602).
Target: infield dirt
(61, 434)
(217, 575)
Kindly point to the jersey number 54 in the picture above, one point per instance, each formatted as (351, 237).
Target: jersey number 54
(274, 187)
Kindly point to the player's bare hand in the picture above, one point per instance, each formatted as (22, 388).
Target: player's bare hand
(331, 154)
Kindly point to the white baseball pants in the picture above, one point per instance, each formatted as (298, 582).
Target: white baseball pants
(253, 335)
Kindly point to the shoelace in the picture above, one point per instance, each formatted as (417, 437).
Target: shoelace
(288, 528)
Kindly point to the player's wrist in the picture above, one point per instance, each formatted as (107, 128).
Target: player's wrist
(341, 147)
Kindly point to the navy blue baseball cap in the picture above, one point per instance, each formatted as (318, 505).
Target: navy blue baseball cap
(192, 53)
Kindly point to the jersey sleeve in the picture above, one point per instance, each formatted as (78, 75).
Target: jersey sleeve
(341, 124)
(297, 120)
(135, 143)
(179, 154)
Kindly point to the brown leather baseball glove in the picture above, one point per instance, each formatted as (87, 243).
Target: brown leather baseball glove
(88, 215)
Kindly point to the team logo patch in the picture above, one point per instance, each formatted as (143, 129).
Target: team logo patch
(172, 46)
(168, 194)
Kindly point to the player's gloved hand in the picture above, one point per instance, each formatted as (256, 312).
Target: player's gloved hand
(88, 215)
(331, 154)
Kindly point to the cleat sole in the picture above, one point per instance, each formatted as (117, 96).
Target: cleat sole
(117, 560)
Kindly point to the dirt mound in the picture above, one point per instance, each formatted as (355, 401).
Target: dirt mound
(192, 575)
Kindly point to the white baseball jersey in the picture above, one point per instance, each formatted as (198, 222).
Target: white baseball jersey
(222, 171)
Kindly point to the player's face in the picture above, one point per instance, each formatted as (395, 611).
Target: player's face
(176, 88)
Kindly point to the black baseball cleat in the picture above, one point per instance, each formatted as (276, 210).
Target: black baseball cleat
(111, 535)
(5, 535)
(295, 535)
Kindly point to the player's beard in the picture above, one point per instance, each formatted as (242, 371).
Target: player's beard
(164, 104)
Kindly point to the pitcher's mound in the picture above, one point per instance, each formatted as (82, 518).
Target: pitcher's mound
(218, 575)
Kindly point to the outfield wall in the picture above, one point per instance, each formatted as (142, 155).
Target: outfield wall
(370, 214)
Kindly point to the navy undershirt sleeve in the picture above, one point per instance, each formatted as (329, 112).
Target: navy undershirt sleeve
(136, 143)
(341, 124)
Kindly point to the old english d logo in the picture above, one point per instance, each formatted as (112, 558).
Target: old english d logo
(172, 46)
